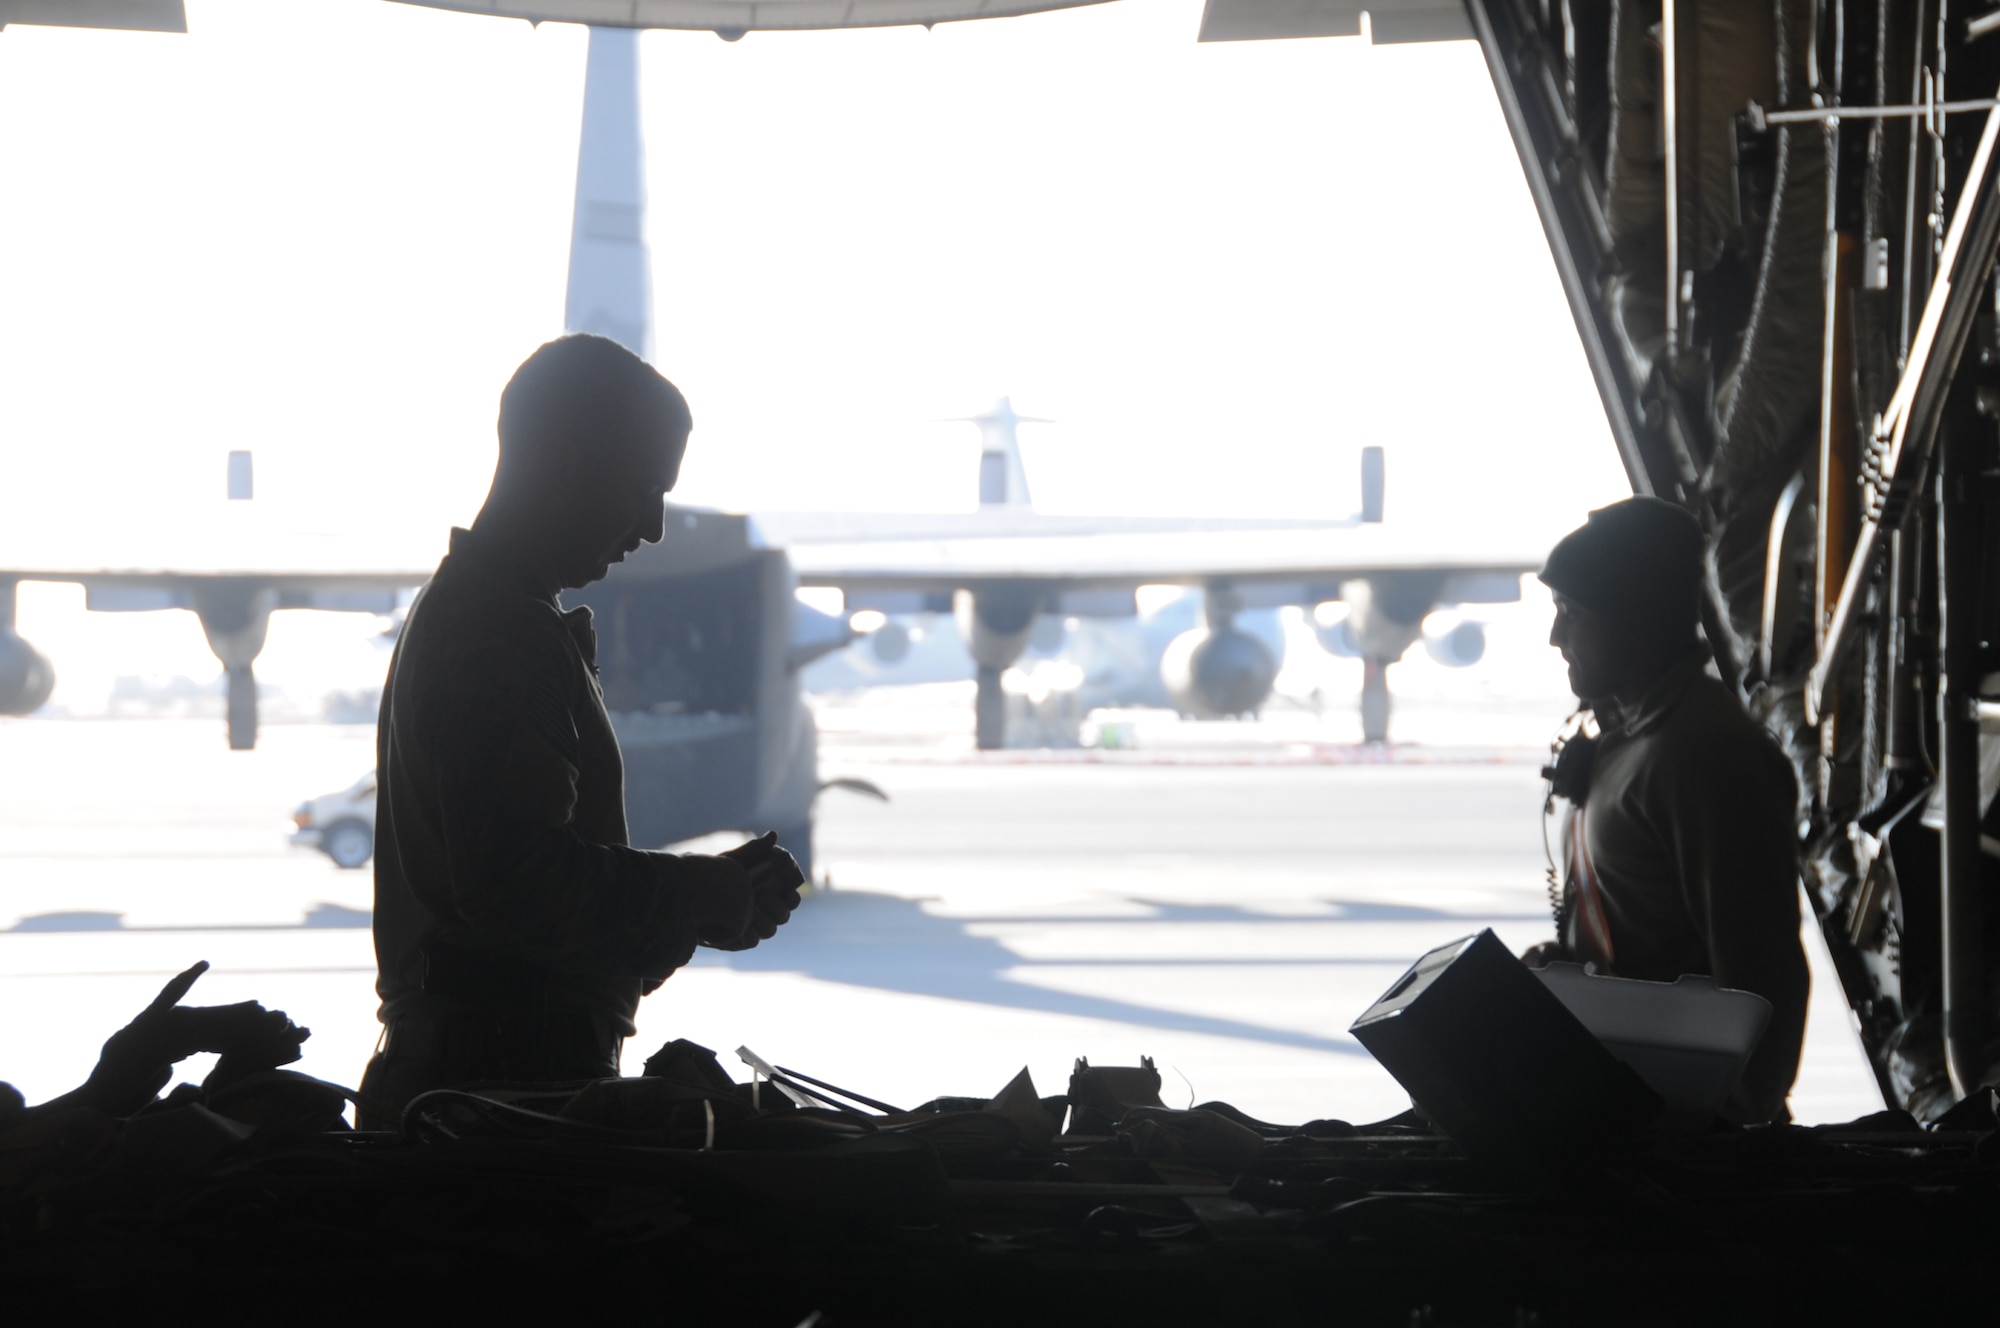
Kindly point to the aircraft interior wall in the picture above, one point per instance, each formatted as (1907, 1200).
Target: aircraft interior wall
(1790, 312)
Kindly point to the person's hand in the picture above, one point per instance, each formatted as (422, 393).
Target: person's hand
(773, 892)
(1542, 954)
(770, 867)
(139, 1058)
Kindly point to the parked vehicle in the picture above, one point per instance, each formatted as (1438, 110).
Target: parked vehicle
(340, 825)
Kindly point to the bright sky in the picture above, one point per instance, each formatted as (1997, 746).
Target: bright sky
(327, 230)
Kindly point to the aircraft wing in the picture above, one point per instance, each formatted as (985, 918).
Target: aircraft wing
(1008, 564)
(202, 567)
(126, 590)
(269, 550)
(113, 588)
(1082, 554)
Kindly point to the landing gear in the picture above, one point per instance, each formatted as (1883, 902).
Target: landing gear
(990, 711)
(235, 617)
(1374, 700)
(997, 621)
(242, 708)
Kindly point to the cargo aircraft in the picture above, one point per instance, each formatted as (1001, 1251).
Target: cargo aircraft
(703, 637)
(1004, 571)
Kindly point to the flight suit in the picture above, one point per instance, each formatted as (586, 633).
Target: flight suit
(1687, 862)
(515, 927)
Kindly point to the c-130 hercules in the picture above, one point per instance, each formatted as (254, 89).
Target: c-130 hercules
(702, 639)
(1776, 222)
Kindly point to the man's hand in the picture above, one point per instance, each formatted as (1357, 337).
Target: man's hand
(138, 1059)
(1542, 954)
(769, 866)
(772, 893)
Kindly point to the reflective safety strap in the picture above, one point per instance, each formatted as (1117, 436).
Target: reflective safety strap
(1590, 916)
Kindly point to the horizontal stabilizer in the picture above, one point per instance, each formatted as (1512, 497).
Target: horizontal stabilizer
(128, 15)
(1390, 22)
(730, 19)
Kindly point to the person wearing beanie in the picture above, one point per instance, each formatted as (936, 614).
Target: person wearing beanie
(1679, 851)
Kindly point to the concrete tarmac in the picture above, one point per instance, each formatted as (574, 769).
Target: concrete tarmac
(1228, 913)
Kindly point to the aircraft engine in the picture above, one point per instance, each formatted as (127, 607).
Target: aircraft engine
(26, 676)
(1210, 674)
(1460, 647)
(996, 622)
(1334, 633)
(1385, 614)
(890, 643)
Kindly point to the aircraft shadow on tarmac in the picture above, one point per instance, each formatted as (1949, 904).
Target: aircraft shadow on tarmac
(319, 917)
(890, 943)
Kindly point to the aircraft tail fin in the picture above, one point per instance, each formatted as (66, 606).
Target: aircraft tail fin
(1372, 483)
(1003, 480)
(610, 272)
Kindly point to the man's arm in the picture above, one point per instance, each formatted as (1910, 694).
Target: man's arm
(527, 882)
(1737, 857)
(138, 1059)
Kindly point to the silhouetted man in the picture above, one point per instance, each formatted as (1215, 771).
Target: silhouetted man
(1680, 853)
(515, 929)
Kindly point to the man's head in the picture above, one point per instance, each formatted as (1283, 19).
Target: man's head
(591, 439)
(1628, 596)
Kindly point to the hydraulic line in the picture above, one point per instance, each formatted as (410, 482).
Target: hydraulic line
(1959, 549)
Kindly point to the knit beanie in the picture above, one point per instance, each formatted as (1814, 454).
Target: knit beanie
(1636, 562)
